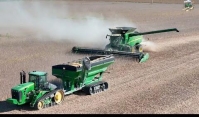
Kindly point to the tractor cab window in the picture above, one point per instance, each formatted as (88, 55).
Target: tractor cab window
(39, 81)
(42, 79)
(32, 78)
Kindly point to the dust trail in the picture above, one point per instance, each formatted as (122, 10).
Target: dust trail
(149, 46)
(49, 21)
(159, 46)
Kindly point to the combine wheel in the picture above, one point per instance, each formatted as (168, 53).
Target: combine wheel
(59, 96)
(40, 105)
(139, 48)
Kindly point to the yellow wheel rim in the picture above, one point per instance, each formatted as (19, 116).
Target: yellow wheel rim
(58, 96)
(40, 105)
(140, 49)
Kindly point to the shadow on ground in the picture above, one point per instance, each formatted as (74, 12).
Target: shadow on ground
(80, 93)
(6, 107)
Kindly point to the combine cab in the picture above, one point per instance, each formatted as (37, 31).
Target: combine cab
(123, 41)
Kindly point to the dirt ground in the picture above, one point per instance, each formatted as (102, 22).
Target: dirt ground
(166, 83)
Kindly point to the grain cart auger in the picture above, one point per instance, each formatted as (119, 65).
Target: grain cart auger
(83, 74)
(123, 41)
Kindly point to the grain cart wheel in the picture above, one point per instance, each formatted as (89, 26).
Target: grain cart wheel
(59, 96)
(106, 85)
(103, 87)
(40, 105)
(90, 90)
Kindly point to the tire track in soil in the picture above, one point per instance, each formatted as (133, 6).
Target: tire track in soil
(138, 79)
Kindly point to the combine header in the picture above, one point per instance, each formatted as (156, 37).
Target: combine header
(84, 74)
(123, 41)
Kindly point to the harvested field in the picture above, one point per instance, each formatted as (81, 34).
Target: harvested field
(37, 35)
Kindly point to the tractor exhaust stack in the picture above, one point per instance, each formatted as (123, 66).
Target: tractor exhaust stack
(22, 77)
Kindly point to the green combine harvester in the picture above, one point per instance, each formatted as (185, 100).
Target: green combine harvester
(83, 74)
(123, 41)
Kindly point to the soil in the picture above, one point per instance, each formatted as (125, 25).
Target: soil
(166, 83)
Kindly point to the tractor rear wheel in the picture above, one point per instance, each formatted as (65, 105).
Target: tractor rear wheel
(59, 96)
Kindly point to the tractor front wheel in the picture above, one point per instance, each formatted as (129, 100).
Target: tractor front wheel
(40, 105)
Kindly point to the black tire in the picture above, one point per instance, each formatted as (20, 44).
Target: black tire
(106, 85)
(103, 87)
(90, 91)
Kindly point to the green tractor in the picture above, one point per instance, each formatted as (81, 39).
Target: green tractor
(188, 5)
(123, 41)
(83, 74)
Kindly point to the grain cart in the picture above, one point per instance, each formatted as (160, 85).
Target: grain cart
(123, 41)
(83, 74)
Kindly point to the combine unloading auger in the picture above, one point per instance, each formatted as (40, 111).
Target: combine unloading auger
(123, 41)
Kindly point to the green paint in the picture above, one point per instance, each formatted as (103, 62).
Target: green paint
(37, 96)
(21, 91)
(81, 77)
(145, 58)
(38, 73)
(129, 40)
(129, 37)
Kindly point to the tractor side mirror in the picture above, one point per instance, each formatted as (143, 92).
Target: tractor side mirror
(106, 36)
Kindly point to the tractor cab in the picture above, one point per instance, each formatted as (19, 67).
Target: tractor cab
(39, 79)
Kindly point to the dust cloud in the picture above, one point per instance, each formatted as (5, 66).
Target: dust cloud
(48, 21)
(149, 46)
